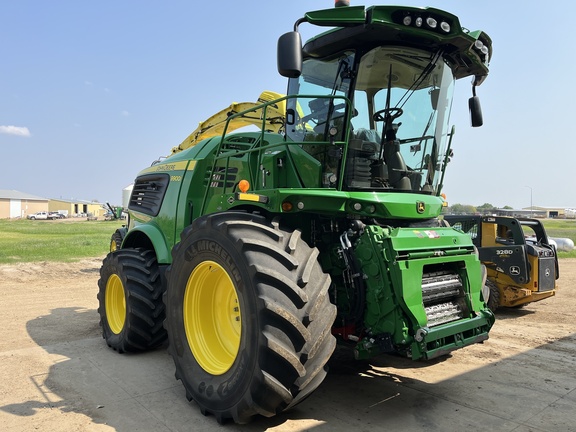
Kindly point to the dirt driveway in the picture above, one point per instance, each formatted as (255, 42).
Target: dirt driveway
(57, 374)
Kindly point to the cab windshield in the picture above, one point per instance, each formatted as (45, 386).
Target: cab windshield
(398, 130)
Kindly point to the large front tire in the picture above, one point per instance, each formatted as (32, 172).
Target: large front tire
(248, 316)
(130, 301)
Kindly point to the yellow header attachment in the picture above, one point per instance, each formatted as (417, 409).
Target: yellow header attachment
(215, 125)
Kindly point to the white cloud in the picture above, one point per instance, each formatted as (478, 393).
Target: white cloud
(125, 113)
(15, 130)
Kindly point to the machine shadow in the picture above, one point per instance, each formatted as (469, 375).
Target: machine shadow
(502, 395)
(504, 313)
(387, 391)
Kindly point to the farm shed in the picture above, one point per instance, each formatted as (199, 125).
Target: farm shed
(73, 208)
(15, 204)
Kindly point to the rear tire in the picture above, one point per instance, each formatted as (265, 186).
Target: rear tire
(130, 301)
(117, 239)
(248, 316)
(494, 300)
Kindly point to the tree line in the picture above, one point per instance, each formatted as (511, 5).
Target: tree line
(485, 208)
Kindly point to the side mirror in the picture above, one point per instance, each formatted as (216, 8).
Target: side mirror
(475, 111)
(290, 55)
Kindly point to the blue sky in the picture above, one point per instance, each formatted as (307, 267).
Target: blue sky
(93, 92)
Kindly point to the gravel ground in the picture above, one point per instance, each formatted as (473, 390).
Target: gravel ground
(57, 373)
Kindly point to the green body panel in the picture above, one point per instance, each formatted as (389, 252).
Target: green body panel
(395, 306)
(154, 231)
(337, 203)
(390, 19)
(368, 202)
(161, 229)
(353, 15)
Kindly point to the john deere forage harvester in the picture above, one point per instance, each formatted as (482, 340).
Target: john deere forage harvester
(254, 253)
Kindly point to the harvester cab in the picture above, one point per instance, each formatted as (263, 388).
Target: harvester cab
(270, 246)
(389, 102)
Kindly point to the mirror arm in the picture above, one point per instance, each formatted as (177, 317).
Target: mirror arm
(300, 21)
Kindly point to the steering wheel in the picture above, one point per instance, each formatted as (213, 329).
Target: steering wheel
(392, 113)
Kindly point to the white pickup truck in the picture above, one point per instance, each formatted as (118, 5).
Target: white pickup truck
(38, 215)
(44, 215)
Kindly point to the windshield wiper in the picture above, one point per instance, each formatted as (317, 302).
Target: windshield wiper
(418, 81)
(343, 72)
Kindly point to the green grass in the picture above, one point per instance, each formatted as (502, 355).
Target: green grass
(32, 241)
(67, 241)
(563, 228)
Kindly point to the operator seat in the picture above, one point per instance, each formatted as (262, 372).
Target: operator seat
(397, 169)
(368, 135)
(393, 169)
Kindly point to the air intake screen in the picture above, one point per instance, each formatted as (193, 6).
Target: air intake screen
(148, 193)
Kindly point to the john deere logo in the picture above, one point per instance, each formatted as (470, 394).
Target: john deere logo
(420, 207)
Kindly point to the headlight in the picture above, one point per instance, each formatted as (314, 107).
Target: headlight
(431, 22)
(482, 50)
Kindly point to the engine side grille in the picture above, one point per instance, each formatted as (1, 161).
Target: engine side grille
(222, 177)
(148, 193)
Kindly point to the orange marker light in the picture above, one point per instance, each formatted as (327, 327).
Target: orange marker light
(243, 185)
(286, 206)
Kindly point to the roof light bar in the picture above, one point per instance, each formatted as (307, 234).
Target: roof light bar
(482, 51)
(427, 21)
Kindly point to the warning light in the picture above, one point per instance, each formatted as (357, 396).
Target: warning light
(243, 185)
(287, 206)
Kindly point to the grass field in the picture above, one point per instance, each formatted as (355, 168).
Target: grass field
(67, 241)
(563, 228)
(61, 241)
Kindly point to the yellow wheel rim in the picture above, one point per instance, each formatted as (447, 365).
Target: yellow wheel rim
(113, 245)
(212, 320)
(115, 303)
